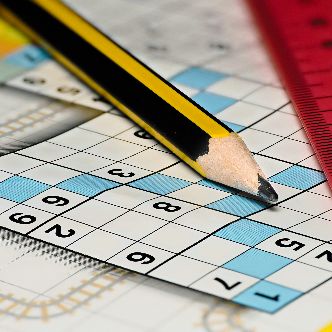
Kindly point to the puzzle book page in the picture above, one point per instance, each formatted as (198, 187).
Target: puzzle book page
(76, 293)
(87, 179)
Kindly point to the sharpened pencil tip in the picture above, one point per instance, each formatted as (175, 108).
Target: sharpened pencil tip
(265, 190)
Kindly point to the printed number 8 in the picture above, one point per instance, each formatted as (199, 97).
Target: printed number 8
(166, 206)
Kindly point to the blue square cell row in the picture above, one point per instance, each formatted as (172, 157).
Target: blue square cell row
(213, 103)
(198, 78)
(238, 205)
(20, 189)
(267, 296)
(299, 177)
(257, 263)
(247, 232)
(214, 185)
(87, 185)
(160, 184)
(28, 57)
(234, 126)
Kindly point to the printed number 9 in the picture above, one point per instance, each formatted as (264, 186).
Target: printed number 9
(56, 200)
(21, 218)
(142, 134)
(140, 257)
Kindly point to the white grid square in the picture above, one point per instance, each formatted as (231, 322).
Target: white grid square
(191, 270)
(108, 124)
(233, 87)
(215, 250)
(205, 220)
(182, 171)
(274, 124)
(15, 163)
(101, 245)
(172, 237)
(50, 174)
(316, 227)
(115, 149)
(95, 213)
(289, 150)
(134, 225)
(281, 217)
(126, 197)
(78, 139)
(309, 203)
(243, 113)
(199, 194)
(47, 151)
(308, 276)
(83, 162)
(147, 160)
(268, 96)
(258, 140)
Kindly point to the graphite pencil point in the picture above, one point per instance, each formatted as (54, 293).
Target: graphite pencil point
(266, 191)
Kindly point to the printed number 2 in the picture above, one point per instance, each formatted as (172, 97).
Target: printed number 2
(58, 231)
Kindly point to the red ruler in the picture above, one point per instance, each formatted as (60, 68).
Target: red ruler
(299, 36)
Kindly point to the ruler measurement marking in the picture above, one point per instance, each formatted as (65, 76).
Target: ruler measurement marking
(301, 44)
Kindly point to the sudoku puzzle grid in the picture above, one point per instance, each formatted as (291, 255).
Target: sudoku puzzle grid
(107, 184)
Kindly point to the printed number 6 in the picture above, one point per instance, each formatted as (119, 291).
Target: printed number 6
(140, 257)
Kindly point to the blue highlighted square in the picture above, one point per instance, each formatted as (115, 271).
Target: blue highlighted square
(198, 78)
(238, 205)
(20, 189)
(28, 57)
(267, 296)
(87, 185)
(214, 185)
(247, 232)
(234, 126)
(299, 177)
(160, 184)
(257, 263)
(213, 103)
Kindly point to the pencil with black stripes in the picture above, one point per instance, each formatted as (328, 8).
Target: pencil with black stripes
(195, 136)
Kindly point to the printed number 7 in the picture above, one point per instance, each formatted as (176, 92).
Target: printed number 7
(226, 285)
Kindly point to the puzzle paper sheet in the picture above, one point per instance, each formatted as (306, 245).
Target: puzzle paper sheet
(88, 179)
(75, 293)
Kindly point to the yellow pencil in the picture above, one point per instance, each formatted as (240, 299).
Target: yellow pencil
(195, 136)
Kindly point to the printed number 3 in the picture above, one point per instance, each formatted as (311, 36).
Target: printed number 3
(119, 172)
